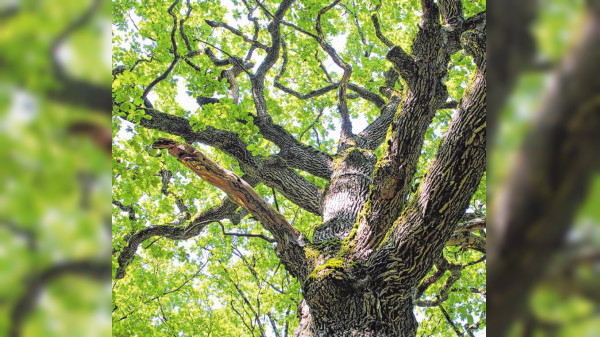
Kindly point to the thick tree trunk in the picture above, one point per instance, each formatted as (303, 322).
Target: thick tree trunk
(340, 303)
(341, 296)
(346, 193)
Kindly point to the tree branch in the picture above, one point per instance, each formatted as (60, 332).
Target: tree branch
(440, 202)
(246, 235)
(374, 134)
(175, 58)
(394, 174)
(290, 241)
(403, 63)
(194, 226)
(449, 320)
(346, 128)
(237, 32)
(454, 22)
(378, 32)
(285, 180)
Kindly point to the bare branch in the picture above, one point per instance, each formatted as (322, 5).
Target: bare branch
(175, 58)
(237, 32)
(378, 32)
(246, 235)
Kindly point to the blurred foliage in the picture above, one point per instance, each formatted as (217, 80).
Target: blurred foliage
(566, 301)
(54, 215)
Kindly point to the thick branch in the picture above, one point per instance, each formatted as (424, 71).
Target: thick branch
(276, 174)
(290, 241)
(454, 22)
(193, 227)
(438, 205)
(295, 155)
(394, 173)
(274, 29)
(468, 240)
(374, 134)
(403, 63)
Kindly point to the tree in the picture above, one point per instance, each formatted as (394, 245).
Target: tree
(296, 221)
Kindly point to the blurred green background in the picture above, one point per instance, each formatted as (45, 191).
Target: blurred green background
(55, 168)
(539, 46)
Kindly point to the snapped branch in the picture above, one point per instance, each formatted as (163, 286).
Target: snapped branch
(290, 241)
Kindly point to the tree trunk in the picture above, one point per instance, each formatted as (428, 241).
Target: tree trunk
(340, 303)
(341, 296)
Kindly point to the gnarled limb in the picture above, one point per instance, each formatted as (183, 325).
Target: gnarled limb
(441, 200)
(280, 177)
(394, 173)
(227, 210)
(313, 160)
(290, 241)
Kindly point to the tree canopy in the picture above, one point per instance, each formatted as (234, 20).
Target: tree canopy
(319, 154)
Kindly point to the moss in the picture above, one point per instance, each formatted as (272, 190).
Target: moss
(324, 270)
(328, 246)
